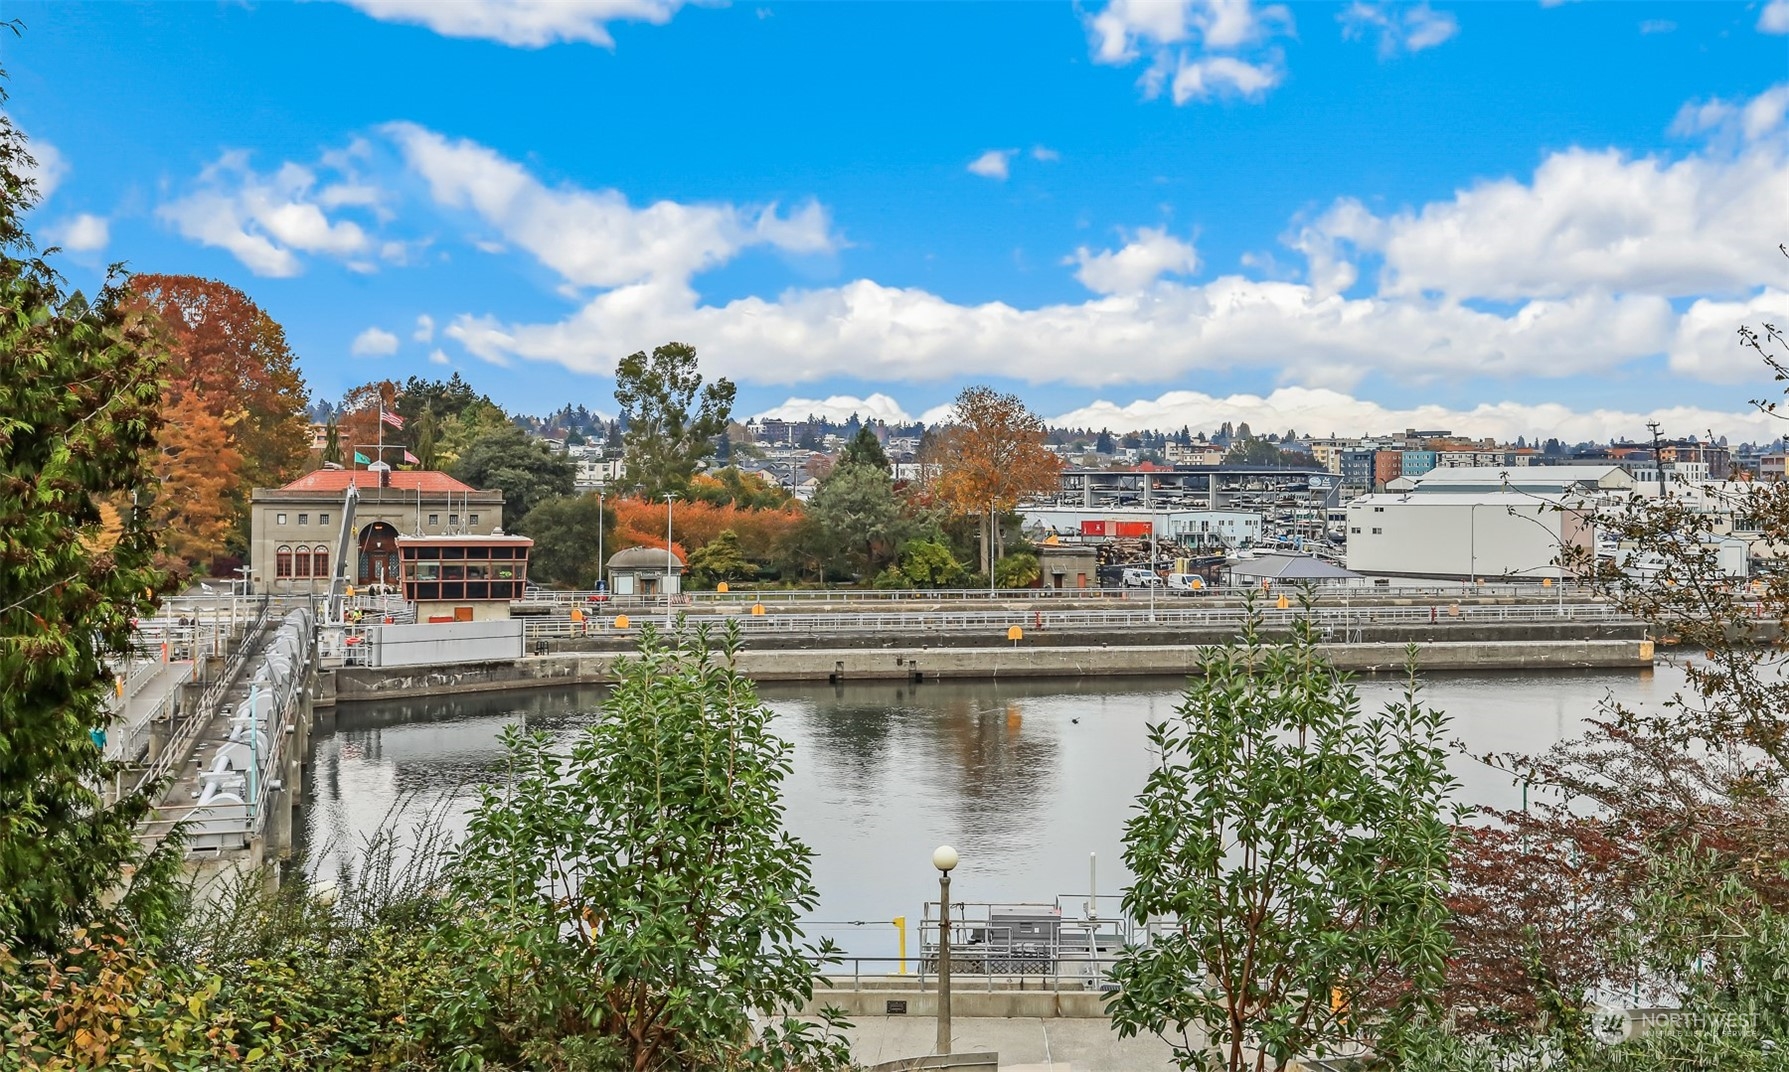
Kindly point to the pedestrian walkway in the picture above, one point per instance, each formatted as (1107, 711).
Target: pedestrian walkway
(152, 692)
(1025, 1044)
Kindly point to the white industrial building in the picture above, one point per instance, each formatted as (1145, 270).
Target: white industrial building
(1491, 535)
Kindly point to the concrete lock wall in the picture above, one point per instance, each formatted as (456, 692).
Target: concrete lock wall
(444, 643)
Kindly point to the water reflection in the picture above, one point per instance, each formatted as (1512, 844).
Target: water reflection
(1026, 778)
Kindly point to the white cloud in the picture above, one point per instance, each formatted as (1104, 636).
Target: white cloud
(1398, 27)
(437, 357)
(374, 342)
(877, 407)
(425, 328)
(993, 164)
(83, 233)
(1707, 346)
(1657, 26)
(1317, 411)
(1735, 122)
(882, 333)
(1774, 19)
(1586, 220)
(1201, 49)
(1145, 257)
(267, 220)
(1570, 274)
(1224, 75)
(523, 23)
(48, 168)
(594, 238)
(1044, 154)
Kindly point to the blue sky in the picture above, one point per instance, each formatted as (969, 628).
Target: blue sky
(1507, 218)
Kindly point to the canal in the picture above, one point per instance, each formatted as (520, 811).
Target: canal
(1025, 778)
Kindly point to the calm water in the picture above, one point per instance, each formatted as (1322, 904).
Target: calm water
(1024, 778)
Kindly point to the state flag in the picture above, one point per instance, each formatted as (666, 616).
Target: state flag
(362, 459)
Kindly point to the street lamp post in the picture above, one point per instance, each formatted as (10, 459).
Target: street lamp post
(602, 567)
(944, 858)
(669, 554)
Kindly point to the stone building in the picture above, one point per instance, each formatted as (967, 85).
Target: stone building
(295, 531)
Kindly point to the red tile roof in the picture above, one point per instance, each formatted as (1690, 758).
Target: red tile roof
(407, 480)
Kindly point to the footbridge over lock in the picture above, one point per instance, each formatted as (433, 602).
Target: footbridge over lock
(231, 767)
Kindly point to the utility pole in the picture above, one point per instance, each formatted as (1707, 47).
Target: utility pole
(1658, 460)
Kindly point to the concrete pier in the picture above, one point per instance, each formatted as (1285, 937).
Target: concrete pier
(925, 663)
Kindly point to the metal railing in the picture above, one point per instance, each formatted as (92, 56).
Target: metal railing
(919, 624)
(775, 596)
(967, 970)
(180, 744)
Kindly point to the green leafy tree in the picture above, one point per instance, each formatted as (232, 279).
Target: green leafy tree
(80, 404)
(1018, 570)
(720, 559)
(645, 881)
(859, 516)
(332, 443)
(564, 530)
(527, 471)
(1303, 849)
(427, 452)
(671, 417)
(929, 564)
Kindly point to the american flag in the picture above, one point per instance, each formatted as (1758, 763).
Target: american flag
(391, 418)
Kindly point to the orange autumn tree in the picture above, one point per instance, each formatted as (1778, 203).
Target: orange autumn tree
(989, 459)
(230, 361)
(762, 533)
(197, 469)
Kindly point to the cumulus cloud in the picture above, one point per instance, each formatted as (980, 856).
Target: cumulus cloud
(1707, 345)
(437, 357)
(1774, 19)
(889, 333)
(1145, 257)
(1045, 154)
(1398, 27)
(1319, 411)
(522, 23)
(425, 328)
(83, 233)
(1224, 75)
(1729, 122)
(1587, 219)
(1582, 269)
(267, 220)
(374, 342)
(48, 168)
(993, 164)
(877, 407)
(595, 238)
(1199, 49)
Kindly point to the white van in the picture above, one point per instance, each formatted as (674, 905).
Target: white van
(1141, 578)
(1185, 582)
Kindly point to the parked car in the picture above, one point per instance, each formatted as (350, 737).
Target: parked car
(1186, 583)
(1141, 578)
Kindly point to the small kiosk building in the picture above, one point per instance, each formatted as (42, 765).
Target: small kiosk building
(463, 578)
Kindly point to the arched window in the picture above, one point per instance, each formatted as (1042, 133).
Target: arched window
(320, 562)
(282, 562)
(303, 565)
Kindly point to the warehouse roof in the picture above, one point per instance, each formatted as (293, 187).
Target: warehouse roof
(1285, 567)
(1525, 477)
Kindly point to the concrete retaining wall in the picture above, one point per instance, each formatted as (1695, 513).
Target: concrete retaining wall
(443, 643)
(965, 1000)
(1021, 661)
